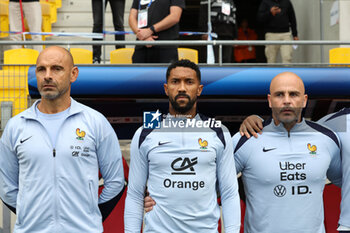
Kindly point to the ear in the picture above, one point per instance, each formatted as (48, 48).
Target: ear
(166, 89)
(269, 99)
(199, 90)
(74, 74)
(305, 100)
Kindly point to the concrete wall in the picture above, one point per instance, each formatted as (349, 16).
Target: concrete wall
(308, 20)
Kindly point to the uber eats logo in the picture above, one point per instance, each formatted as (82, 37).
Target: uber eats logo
(292, 173)
(183, 167)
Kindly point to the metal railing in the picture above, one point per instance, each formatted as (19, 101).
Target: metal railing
(219, 43)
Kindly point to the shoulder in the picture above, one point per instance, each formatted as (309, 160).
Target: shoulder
(179, 3)
(221, 131)
(327, 132)
(240, 141)
(141, 135)
(334, 116)
(18, 120)
(91, 113)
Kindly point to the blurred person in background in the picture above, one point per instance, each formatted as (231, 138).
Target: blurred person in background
(32, 13)
(117, 7)
(279, 22)
(223, 21)
(155, 20)
(245, 53)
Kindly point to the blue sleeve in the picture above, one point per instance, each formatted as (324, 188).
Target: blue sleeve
(238, 161)
(228, 187)
(334, 172)
(138, 174)
(110, 165)
(9, 171)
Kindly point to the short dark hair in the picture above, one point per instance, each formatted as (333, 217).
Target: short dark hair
(184, 63)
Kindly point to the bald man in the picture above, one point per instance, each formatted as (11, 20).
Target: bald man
(51, 155)
(284, 170)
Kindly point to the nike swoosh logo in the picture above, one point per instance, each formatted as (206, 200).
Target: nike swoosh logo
(266, 150)
(23, 140)
(162, 143)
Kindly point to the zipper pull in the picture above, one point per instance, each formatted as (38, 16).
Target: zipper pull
(54, 152)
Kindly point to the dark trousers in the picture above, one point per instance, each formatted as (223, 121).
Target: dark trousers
(155, 55)
(117, 7)
(227, 51)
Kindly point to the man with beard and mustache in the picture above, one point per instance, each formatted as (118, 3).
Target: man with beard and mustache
(51, 155)
(182, 166)
(284, 170)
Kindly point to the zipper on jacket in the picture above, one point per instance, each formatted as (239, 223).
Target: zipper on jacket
(54, 152)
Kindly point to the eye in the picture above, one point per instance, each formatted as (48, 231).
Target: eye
(57, 68)
(174, 81)
(190, 81)
(294, 94)
(40, 68)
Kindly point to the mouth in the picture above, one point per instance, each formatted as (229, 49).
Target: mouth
(182, 97)
(49, 86)
(287, 111)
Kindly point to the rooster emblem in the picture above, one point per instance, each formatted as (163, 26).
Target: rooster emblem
(312, 148)
(80, 134)
(202, 143)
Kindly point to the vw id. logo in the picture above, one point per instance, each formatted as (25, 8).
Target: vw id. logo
(280, 190)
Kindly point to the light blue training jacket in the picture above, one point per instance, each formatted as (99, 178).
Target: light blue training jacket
(183, 167)
(55, 190)
(340, 123)
(284, 174)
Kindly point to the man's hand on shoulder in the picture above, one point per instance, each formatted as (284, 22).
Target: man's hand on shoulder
(251, 126)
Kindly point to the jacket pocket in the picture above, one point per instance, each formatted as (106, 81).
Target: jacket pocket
(91, 199)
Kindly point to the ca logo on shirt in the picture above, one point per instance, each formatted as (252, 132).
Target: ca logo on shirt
(184, 166)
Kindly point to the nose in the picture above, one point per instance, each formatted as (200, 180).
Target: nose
(182, 87)
(286, 100)
(48, 75)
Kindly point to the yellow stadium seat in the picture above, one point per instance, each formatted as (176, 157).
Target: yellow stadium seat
(14, 80)
(122, 56)
(190, 54)
(21, 56)
(339, 56)
(46, 17)
(81, 56)
(58, 3)
(4, 18)
(14, 88)
(52, 9)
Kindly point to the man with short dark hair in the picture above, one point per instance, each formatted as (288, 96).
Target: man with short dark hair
(52, 153)
(183, 162)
